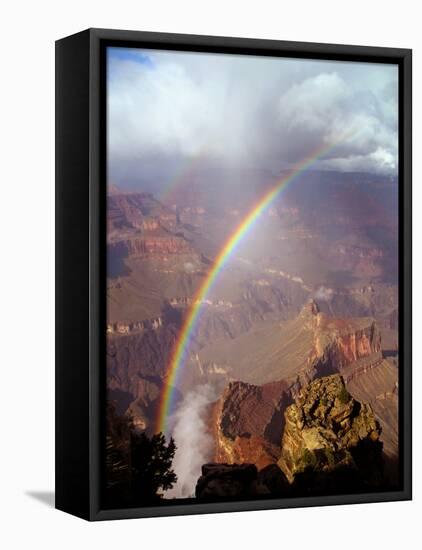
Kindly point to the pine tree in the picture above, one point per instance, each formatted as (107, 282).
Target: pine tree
(137, 467)
(151, 465)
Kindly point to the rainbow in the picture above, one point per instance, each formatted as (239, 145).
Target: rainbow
(181, 345)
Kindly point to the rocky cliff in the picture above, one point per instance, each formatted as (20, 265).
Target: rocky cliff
(127, 211)
(338, 343)
(139, 225)
(136, 365)
(353, 348)
(248, 422)
(149, 244)
(311, 345)
(248, 419)
(326, 430)
(330, 444)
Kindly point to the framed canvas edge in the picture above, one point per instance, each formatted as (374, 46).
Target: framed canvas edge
(229, 44)
(97, 139)
(72, 369)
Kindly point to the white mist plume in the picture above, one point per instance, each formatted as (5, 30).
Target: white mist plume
(324, 294)
(193, 440)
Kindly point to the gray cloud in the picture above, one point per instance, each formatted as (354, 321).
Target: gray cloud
(165, 106)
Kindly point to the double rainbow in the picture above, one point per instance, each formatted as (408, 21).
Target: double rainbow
(181, 345)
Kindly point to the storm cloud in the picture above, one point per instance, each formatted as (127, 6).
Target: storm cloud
(166, 107)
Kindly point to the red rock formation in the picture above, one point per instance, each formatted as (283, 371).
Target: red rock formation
(248, 419)
(340, 342)
(136, 365)
(150, 245)
(135, 210)
(248, 423)
(330, 444)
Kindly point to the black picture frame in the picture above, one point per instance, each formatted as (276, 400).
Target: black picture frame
(80, 261)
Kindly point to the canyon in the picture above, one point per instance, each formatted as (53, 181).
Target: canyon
(310, 294)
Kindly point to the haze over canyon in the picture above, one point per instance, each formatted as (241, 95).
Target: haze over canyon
(310, 293)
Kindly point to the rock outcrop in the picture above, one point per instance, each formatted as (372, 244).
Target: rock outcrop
(330, 445)
(309, 346)
(136, 211)
(327, 430)
(352, 347)
(240, 481)
(248, 423)
(226, 480)
(337, 342)
(136, 365)
(140, 226)
(149, 245)
(248, 419)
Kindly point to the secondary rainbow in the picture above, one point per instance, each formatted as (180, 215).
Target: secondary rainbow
(183, 176)
(181, 344)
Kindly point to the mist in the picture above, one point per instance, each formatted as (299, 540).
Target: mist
(193, 440)
(324, 294)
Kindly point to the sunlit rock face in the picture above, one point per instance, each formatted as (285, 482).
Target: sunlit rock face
(330, 444)
(326, 429)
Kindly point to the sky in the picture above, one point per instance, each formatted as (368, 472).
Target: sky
(166, 109)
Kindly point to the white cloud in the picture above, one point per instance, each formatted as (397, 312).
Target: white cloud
(327, 108)
(247, 109)
(313, 104)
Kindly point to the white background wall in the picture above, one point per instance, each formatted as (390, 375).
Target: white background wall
(27, 35)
